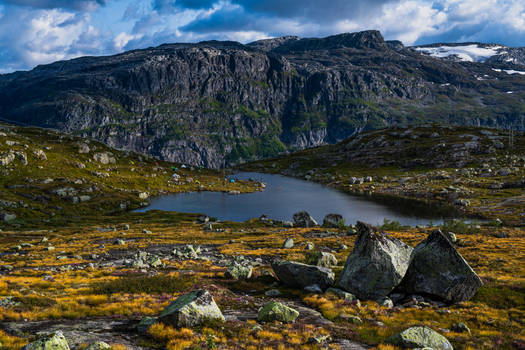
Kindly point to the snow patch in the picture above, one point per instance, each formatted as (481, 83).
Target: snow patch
(509, 71)
(467, 53)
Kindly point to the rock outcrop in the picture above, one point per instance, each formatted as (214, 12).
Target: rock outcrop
(376, 266)
(437, 269)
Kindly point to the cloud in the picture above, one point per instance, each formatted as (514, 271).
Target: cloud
(79, 5)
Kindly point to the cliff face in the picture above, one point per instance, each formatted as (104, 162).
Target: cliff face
(216, 103)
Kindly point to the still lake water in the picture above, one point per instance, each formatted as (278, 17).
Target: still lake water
(285, 196)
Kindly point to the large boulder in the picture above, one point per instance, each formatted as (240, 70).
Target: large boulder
(275, 311)
(303, 219)
(53, 341)
(376, 266)
(300, 275)
(333, 220)
(436, 268)
(420, 337)
(191, 309)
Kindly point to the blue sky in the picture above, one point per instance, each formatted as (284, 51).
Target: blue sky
(36, 32)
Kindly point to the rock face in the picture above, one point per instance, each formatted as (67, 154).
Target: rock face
(420, 337)
(300, 275)
(333, 220)
(275, 311)
(191, 309)
(54, 341)
(437, 269)
(283, 94)
(303, 219)
(376, 266)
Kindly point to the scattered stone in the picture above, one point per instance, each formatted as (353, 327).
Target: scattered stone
(323, 259)
(104, 158)
(275, 311)
(351, 318)
(420, 337)
(53, 341)
(303, 219)
(382, 259)
(300, 275)
(460, 327)
(272, 293)
(341, 294)
(143, 195)
(238, 271)
(436, 268)
(333, 220)
(313, 289)
(40, 154)
(99, 345)
(191, 309)
(288, 243)
(386, 302)
(309, 246)
(187, 252)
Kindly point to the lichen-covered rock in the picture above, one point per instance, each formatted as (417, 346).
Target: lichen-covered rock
(324, 259)
(104, 158)
(53, 341)
(238, 271)
(300, 275)
(275, 311)
(420, 337)
(303, 219)
(288, 243)
(376, 266)
(99, 345)
(333, 220)
(191, 309)
(145, 324)
(7, 158)
(436, 268)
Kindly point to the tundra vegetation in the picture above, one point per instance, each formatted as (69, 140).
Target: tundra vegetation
(74, 258)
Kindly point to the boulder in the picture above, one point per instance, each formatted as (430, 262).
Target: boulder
(53, 341)
(7, 158)
(99, 345)
(104, 158)
(6, 217)
(238, 271)
(300, 275)
(191, 309)
(333, 220)
(275, 311)
(288, 243)
(376, 266)
(437, 269)
(324, 259)
(145, 324)
(420, 337)
(303, 219)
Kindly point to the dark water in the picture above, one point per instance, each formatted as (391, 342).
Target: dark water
(285, 196)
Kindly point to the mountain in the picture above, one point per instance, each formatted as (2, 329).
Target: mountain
(221, 102)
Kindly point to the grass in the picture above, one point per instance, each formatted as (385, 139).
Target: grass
(146, 284)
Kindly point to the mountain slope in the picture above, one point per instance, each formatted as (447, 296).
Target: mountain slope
(216, 103)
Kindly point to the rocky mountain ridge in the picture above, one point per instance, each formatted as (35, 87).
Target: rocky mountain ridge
(221, 103)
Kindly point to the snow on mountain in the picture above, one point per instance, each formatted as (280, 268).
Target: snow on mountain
(509, 71)
(467, 53)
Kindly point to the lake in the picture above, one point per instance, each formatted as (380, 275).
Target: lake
(285, 196)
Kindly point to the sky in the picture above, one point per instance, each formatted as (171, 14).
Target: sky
(34, 32)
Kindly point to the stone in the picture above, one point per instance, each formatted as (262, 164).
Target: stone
(386, 302)
(272, 293)
(22, 157)
(120, 242)
(309, 246)
(452, 237)
(83, 148)
(341, 294)
(376, 266)
(437, 269)
(303, 219)
(99, 345)
(324, 259)
(300, 275)
(288, 243)
(351, 318)
(191, 309)
(6, 217)
(313, 289)
(275, 311)
(104, 158)
(39, 154)
(460, 327)
(287, 224)
(6, 158)
(143, 195)
(420, 337)
(333, 220)
(53, 341)
(145, 324)
(238, 271)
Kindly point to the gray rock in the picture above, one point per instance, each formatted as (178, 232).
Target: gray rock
(191, 309)
(275, 311)
(303, 219)
(104, 158)
(300, 275)
(452, 237)
(420, 337)
(272, 293)
(288, 243)
(309, 246)
(39, 154)
(460, 327)
(53, 341)
(6, 217)
(333, 220)
(238, 271)
(7, 158)
(386, 302)
(341, 294)
(376, 266)
(323, 259)
(99, 345)
(313, 289)
(436, 268)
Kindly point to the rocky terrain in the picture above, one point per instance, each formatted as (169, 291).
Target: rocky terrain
(86, 273)
(216, 103)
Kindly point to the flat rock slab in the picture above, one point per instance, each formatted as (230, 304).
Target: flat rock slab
(83, 331)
